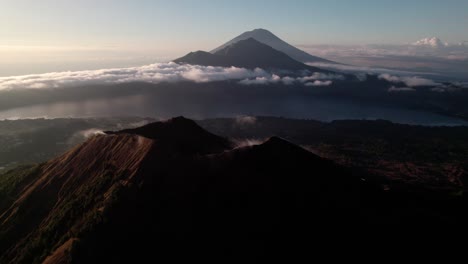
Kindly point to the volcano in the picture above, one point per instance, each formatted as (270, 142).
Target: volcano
(266, 37)
(173, 192)
(168, 186)
(248, 53)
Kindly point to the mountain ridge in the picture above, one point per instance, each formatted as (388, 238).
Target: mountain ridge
(266, 37)
(103, 198)
(169, 187)
(248, 53)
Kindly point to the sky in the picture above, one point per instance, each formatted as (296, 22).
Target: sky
(55, 35)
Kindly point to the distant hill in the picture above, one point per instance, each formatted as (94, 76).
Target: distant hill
(248, 53)
(266, 37)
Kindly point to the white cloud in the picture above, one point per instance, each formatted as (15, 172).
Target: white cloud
(261, 80)
(241, 143)
(432, 47)
(173, 72)
(401, 89)
(319, 83)
(157, 73)
(321, 76)
(447, 60)
(433, 42)
(359, 70)
(246, 120)
(154, 73)
(409, 81)
(316, 79)
(91, 132)
(288, 80)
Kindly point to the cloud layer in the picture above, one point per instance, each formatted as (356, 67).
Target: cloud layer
(173, 72)
(157, 73)
(413, 81)
(433, 47)
(429, 55)
(154, 73)
(394, 89)
(316, 79)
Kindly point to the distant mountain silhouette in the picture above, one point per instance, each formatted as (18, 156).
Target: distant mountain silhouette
(266, 37)
(247, 53)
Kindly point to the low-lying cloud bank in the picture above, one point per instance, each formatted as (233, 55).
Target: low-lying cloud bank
(433, 47)
(154, 73)
(394, 89)
(316, 79)
(429, 56)
(363, 69)
(246, 120)
(173, 72)
(409, 81)
(157, 73)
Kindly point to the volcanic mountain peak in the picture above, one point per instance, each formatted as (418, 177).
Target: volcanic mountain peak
(132, 195)
(276, 148)
(182, 134)
(266, 37)
(247, 53)
(248, 44)
(277, 142)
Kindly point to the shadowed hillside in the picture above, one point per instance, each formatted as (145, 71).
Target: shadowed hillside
(248, 53)
(171, 187)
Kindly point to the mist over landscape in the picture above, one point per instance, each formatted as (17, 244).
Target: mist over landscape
(230, 131)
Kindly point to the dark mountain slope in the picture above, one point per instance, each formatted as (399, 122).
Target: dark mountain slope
(181, 135)
(248, 53)
(268, 38)
(172, 192)
(67, 195)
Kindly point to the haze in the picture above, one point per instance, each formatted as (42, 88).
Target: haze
(46, 36)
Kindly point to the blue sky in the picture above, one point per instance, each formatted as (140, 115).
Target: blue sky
(300, 21)
(178, 26)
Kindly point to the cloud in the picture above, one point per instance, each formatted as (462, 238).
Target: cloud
(154, 73)
(241, 143)
(449, 60)
(432, 47)
(313, 80)
(438, 89)
(418, 81)
(91, 132)
(173, 72)
(433, 42)
(409, 81)
(401, 89)
(246, 120)
(319, 83)
(82, 135)
(288, 80)
(407, 78)
(261, 80)
(321, 76)
(359, 70)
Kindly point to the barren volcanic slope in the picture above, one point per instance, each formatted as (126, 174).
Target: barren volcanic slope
(248, 53)
(171, 191)
(266, 37)
(418, 156)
